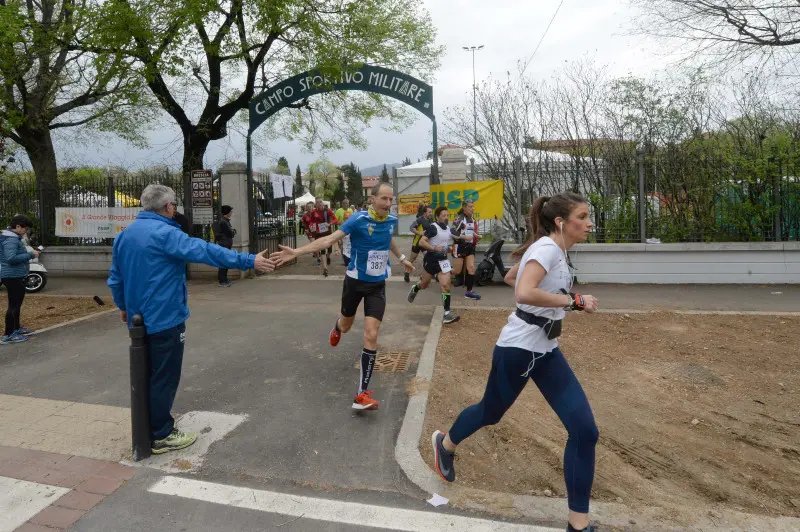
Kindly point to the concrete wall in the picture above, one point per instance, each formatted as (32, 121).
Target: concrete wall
(95, 261)
(721, 263)
(690, 263)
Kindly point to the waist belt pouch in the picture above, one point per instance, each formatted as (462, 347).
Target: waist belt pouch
(554, 330)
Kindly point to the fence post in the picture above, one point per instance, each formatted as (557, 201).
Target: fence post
(110, 191)
(140, 406)
(642, 205)
(518, 231)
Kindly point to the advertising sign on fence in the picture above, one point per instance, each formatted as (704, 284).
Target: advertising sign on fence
(93, 222)
(408, 203)
(202, 197)
(487, 195)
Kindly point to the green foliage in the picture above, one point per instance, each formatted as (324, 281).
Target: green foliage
(353, 178)
(50, 82)
(322, 176)
(298, 182)
(209, 55)
(385, 175)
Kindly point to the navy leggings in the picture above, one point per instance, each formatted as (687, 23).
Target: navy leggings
(563, 393)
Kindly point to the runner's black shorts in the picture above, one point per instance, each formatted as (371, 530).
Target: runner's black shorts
(373, 294)
(464, 250)
(431, 262)
(416, 249)
(328, 251)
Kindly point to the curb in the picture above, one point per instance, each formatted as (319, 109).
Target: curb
(791, 314)
(76, 320)
(545, 509)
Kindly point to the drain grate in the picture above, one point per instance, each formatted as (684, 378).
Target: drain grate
(389, 362)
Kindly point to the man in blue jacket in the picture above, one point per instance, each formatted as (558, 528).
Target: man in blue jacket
(14, 267)
(148, 277)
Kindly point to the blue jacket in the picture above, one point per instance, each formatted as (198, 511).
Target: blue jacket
(13, 256)
(148, 269)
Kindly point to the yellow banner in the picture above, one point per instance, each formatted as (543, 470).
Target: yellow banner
(487, 195)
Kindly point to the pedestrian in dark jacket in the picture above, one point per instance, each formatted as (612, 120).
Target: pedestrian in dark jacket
(148, 277)
(224, 237)
(183, 221)
(14, 259)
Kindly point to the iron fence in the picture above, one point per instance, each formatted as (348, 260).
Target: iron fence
(91, 188)
(668, 195)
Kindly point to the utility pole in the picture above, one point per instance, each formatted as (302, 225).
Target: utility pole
(473, 49)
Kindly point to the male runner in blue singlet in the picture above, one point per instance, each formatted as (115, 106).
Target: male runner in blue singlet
(371, 241)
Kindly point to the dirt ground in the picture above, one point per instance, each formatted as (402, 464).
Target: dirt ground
(39, 311)
(694, 411)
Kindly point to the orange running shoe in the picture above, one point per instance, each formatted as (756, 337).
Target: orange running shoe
(364, 401)
(335, 336)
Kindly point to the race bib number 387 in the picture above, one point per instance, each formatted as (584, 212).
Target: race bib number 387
(376, 262)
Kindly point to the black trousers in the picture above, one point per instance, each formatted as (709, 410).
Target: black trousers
(222, 273)
(16, 294)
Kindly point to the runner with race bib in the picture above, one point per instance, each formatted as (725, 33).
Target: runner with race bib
(371, 242)
(437, 240)
(323, 219)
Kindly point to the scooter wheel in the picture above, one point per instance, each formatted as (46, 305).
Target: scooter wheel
(35, 282)
(483, 275)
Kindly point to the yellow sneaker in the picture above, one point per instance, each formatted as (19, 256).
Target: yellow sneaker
(176, 440)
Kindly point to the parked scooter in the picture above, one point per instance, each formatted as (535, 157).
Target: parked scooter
(36, 279)
(492, 259)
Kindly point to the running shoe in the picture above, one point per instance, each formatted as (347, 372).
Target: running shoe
(590, 528)
(450, 317)
(24, 331)
(471, 294)
(406, 277)
(442, 458)
(335, 336)
(176, 440)
(318, 261)
(412, 294)
(13, 338)
(364, 401)
(324, 273)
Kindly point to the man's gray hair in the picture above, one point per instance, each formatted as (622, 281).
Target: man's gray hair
(156, 197)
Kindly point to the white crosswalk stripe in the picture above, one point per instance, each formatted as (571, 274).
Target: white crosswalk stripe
(331, 511)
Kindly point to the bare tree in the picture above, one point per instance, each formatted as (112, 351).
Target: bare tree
(723, 30)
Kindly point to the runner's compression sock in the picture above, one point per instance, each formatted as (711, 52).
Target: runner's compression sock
(470, 280)
(415, 288)
(367, 363)
(446, 301)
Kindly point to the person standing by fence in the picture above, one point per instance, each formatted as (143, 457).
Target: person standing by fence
(148, 277)
(14, 259)
(223, 234)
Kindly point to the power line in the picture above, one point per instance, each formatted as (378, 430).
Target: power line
(528, 62)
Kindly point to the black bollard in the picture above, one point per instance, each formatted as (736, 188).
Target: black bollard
(140, 375)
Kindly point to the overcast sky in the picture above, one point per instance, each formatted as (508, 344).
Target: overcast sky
(509, 30)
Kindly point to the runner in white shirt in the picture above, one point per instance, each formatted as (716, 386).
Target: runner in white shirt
(528, 349)
(437, 240)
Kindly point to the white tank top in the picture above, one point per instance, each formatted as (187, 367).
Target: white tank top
(443, 237)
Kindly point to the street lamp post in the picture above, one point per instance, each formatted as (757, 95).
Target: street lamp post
(473, 49)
